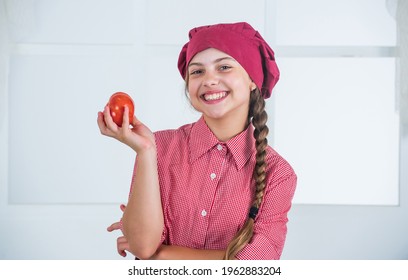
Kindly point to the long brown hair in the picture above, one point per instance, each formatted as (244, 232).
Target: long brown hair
(259, 117)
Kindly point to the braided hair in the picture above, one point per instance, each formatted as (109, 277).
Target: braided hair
(258, 116)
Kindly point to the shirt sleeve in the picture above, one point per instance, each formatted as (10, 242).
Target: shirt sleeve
(270, 224)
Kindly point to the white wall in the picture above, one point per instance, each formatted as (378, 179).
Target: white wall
(359, 232)
(352, 232)
(61, 182)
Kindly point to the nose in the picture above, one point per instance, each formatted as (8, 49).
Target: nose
(210, 78)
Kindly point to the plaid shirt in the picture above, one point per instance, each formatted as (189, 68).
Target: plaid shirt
(207, 189)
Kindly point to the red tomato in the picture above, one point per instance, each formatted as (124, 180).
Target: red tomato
(117, 104)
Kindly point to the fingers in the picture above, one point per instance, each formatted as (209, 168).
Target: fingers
(122, 246)
(109, 128)
(110, 124)
(136, 121)
(121, 243)
(114, 226)
(122, 207)
(105, 123)
(125, 121)
(101, 123)
(117, 225)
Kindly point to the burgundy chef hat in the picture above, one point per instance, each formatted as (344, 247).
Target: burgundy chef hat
(240, 41)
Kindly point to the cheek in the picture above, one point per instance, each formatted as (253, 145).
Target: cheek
(241, 86)
(192, 88)
(191, 96)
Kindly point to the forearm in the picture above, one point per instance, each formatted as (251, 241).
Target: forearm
(171, 252)
(143, 218)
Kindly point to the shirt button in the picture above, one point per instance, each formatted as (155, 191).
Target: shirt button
(219, 147)
(203, 213)
(212, 176)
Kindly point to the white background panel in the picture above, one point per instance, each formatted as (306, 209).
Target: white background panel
(59, 21)
(188, 14)
(334, 23)
(58, 231)
(336, 124)
(56, 152)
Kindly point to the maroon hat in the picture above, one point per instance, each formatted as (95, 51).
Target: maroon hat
(240, 41)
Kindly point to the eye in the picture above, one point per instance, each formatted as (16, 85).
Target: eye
(196, 72)
(225, 67)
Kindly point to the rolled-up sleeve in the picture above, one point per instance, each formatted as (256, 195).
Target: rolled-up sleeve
(270, 224)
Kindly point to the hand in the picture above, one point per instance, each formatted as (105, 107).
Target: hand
(121, 243)
(134, 134)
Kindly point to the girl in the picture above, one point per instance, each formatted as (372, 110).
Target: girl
(213, 189)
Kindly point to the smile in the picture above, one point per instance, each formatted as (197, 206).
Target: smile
(214, 95)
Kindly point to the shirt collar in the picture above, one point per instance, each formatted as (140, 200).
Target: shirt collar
(242, 146)
(202, 139)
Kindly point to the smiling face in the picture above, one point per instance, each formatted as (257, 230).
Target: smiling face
(219, 87)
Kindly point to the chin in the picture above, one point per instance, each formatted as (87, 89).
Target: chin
(215, 116)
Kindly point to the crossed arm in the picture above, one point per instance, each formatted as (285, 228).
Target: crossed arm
(166, 252)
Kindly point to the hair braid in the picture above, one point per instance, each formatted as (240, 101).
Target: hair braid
(259, 117)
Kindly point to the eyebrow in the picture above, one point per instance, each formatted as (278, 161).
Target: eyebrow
(215, 61)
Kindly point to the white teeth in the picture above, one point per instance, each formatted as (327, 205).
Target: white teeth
(215, 96)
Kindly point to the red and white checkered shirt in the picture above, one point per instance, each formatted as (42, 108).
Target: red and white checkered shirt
(207, 189)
